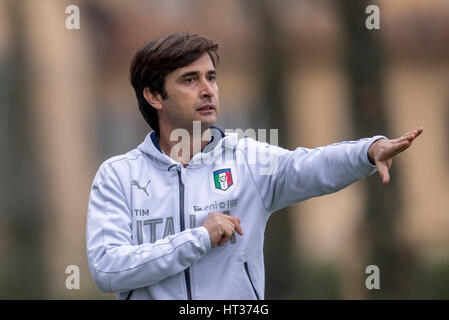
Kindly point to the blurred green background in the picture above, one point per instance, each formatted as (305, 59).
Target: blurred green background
(309, 68)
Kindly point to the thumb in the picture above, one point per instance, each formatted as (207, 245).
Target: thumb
(383, 171)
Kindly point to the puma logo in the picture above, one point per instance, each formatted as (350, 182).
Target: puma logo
(135, 183)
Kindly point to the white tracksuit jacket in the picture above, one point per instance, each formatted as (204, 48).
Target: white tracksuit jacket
(144, 233)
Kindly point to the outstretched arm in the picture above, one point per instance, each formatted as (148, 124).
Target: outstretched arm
(304, 173)
(382, 151)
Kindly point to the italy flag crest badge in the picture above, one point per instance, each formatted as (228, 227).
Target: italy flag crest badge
(222, 180)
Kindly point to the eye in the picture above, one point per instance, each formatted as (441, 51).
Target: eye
(188, 80)
(212, 78)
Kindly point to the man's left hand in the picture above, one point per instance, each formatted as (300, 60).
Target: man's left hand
(382, 151)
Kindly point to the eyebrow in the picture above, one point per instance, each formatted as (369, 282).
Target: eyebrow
(195, 73)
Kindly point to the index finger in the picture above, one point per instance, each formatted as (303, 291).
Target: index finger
(237, 226)
(416, 132)
(419, 131)
(236, 222)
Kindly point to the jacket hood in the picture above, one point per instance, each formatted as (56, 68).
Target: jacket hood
(221, 145)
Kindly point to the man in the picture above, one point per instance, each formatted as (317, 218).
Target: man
(188, 223)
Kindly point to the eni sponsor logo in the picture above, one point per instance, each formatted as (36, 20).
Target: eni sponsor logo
(229, 204)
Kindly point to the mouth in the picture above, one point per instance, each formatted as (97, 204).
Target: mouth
(207, 108)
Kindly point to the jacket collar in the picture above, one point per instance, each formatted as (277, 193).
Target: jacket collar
(216, 146)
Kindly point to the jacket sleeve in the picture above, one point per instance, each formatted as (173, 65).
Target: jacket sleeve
(115, 263)
(283, 177)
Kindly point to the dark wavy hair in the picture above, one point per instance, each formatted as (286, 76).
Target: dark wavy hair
(160, 56)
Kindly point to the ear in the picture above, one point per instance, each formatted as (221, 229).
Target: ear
(155, 99)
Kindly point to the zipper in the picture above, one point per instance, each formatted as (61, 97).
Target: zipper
(129, 295)
(182, 222)
(245, 264)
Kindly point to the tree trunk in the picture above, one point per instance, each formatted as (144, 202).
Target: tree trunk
(279, 258)
(364, 62)
(21, 274)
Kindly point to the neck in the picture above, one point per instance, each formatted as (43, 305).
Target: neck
(184, 143)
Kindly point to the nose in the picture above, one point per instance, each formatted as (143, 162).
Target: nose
(206, 91)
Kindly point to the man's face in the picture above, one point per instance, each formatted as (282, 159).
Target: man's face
(192, 95)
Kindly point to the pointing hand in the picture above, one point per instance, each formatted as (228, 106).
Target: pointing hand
(382, 151)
